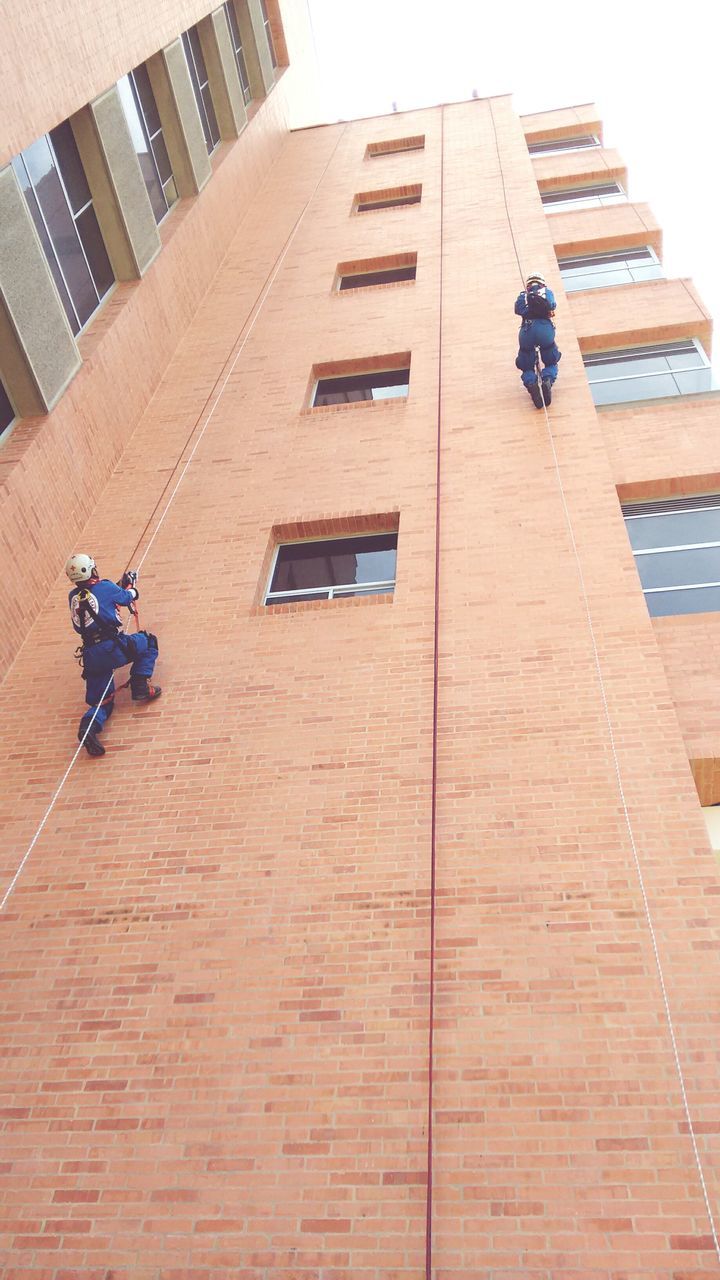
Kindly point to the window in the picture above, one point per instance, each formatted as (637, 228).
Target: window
(268, 33)
(553, 146)
(621, 266)
(390, 198)
(395, 146)
(583, 197)
(141, 113)
(644, 373)
(236, 41)
(676, 543)
(374, 271)
(53, 181)
(333, 567)
(201, 87)
(375, 384)
(7, 413)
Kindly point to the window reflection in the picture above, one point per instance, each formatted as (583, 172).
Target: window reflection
(647, 373)
(327, 568)
(678, 573)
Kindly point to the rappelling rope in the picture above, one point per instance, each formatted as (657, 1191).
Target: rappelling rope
(240, 342)
(618, 775)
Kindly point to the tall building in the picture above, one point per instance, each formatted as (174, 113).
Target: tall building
(385, 944)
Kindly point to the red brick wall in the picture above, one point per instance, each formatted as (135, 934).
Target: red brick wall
(217, 978)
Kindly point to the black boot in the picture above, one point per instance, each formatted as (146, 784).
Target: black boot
(92, 743)
(535, 394)
(547, 390)
(141, 691)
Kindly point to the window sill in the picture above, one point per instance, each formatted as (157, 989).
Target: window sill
(396, 403)
(311, 606)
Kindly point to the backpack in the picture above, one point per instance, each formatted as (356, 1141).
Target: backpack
(538, 307)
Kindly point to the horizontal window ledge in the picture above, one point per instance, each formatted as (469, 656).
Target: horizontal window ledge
(339, 602)
(391, 402)
(665, 401)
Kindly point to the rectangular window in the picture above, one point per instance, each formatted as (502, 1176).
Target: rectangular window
(646, 373)
(236, 42)
(268, 33)
(201, 87)
(7, 413)
(138, 103)
(620, 266)
(676, 544)
(350, 388)
(391, 198)
(394, 146)
(329, 568)
(552, 147)
(375, 271)
(596, 196)
(53, 181)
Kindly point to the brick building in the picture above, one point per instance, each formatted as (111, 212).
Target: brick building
(385, 944)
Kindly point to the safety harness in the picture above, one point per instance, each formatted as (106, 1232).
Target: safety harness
(94, 629)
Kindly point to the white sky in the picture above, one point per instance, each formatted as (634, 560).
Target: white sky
(653, 70)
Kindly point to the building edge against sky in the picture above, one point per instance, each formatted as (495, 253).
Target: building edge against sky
(428, 708)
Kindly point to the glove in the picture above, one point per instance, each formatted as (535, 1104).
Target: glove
(129, 579)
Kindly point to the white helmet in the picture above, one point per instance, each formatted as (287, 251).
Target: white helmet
(535, 278)
(80, 568)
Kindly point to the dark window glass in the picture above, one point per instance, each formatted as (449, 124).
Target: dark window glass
(390, 276)
(675, 529)
(677, 554)
(201, 88)
(143, 88)
(132, 109)
(27, 190)
(236, 41)
(333, 567)
(70, 165)
(582, 193)
(268, 33)
(7, 413)
(389, 203)
(698, 600)
(669, 369)
(59, 200)
(563, 144)
(350, 388)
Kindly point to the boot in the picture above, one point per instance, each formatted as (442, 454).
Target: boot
(547, 390)
(92, 743)
(535, 394)
(141, 691)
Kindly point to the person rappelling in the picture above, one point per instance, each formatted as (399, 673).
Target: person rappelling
(95, 605)
(536, 305)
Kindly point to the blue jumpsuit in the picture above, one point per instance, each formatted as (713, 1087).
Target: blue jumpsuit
(536, 333)
(102, 657)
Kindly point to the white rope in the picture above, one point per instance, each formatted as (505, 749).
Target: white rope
(631, 834)
(250, 326)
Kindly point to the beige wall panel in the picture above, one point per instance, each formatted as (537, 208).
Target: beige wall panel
(119, 194)
(38, 355)
(182, 129)
(222, 74)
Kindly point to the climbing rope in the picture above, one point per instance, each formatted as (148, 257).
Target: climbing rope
(616, 761)
(217, 391)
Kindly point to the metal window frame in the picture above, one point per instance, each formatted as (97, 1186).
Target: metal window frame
(619, 261)
(317, 382)
(239, 53)
(351, 275)
(269, 35)
(150, 139)
(333, 537)
(584, 196)
(669, 548)
(199, 85)
(650, 352)
(559, 151)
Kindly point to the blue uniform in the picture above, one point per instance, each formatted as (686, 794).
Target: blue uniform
(105, 645)
(536, 333)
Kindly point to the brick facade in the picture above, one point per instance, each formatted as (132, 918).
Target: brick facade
(217, 955)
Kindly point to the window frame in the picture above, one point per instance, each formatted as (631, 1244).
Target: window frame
(269, 35)
(395, 146)
(671, 507)
(586, 200)
(592, 358)
(238, 50)
(351, 404)
(561, 146)
(198, 87)
(4, 393)
(366, 268)
(620, 256)
(391, 198)
(150, 140)
(344, 590)
(89, 204)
